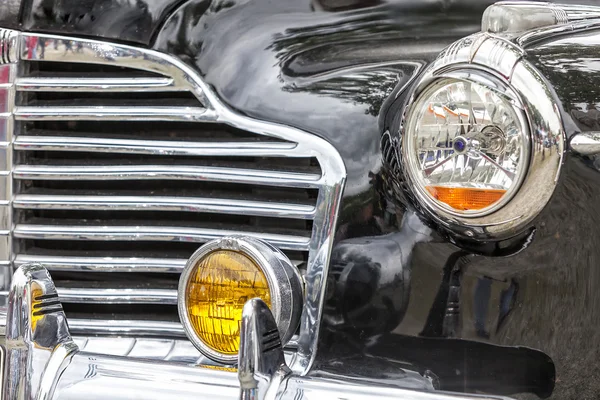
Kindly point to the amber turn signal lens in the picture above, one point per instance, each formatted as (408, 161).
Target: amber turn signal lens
(465, 199)
(218, 288)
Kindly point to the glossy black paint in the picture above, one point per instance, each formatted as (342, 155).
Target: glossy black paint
(9, 13)
(518, 317)
(122, 20)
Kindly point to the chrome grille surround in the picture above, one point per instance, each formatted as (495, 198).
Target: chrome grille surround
(174, 76)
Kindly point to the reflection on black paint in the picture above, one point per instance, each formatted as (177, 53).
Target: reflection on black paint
(329, 74)
(123, 20)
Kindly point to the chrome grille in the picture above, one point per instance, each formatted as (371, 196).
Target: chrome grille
(124, 162)
(77, 179)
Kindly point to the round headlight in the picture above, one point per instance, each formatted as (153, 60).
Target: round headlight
(466, 146)
(220, 278)
(482, 139)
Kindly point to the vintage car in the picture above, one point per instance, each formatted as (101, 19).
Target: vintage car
(299, 199)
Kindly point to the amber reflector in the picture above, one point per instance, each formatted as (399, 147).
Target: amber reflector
(465, 199)
(218, 288)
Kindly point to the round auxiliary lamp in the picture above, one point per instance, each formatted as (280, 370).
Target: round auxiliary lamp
(220, 277)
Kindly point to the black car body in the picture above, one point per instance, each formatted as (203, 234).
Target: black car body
(409, 302)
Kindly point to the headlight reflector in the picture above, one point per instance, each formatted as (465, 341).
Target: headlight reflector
(466, 146)
(218, 288)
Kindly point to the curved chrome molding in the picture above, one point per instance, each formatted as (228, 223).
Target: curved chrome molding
(510, 17)
(498, 64)
(527, 22)
(173, 74)
(38, 342)
(586, 143)
(9, 41)
(530, 38)
(261, 365)
(284, 285)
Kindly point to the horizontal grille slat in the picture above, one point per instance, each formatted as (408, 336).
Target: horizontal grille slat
(112, 84)
(108, 113)
(104, 264)
(156, 147)
(126, 327)
(157, 203)
(124, 162)
(146, 172)
(117, 296)
(145, 233)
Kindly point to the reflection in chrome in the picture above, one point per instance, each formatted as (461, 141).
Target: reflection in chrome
(172, 350)
(284, 281)
(149, 233)
(586, 143)
(155, 147)
(37, 336)
(163, 203)
(45, 363)
(516, 16)
(77, 113)
(215, 174)
(496, 64)
(119, 327)
(117, 296)
(261, 363)
(154, 74)
(466, 136)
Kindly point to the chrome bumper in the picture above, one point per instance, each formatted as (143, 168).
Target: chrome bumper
(43, 362)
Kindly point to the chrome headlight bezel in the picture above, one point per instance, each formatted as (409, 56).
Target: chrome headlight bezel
(284, 280)
(498, 65)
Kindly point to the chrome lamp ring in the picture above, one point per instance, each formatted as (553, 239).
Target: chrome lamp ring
(476, 59)
(284, 280)
(482, 77)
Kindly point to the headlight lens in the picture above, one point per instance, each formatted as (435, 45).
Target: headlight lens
(466, 146)
(218, 288)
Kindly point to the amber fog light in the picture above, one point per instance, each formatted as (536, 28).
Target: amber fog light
(220, 278)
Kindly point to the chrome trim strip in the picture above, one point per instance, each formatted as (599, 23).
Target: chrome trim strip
(108, 264)
(586, 143)
(98, 52)
(8, 59)
(160, 203)
(52, 84)
(529, 38)
(307, 388)
(514, 17)
(90, 327)
(104, 264)
(158, 147)
(149, 233)
(56, 365)
(183, 172)
(117, 296)
(157, 349)
(110, 113)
